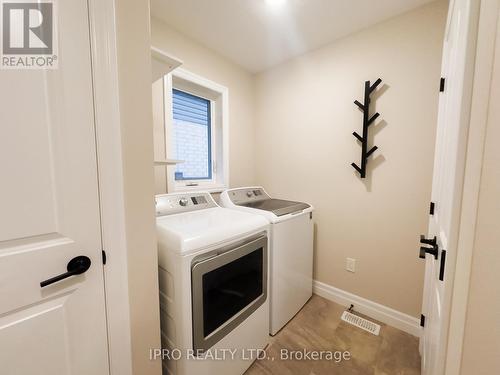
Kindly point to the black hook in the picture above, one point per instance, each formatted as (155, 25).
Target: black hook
(367, 121)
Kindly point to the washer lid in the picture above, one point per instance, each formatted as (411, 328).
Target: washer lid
(279, 207)
(190, 232)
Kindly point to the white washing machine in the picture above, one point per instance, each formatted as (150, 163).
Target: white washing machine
(213, 277)
(291, 250)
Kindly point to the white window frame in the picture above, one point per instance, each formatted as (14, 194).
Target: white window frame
(218, 95)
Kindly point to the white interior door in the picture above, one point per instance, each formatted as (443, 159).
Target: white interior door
(50, 213)
(447, 185)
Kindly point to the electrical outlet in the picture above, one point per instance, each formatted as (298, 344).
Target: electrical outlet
(350, 264)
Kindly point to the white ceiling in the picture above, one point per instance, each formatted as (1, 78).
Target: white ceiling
(257, 35)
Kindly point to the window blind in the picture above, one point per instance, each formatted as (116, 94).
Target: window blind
(190, 108)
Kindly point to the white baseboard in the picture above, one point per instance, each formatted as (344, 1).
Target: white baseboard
(372, 309)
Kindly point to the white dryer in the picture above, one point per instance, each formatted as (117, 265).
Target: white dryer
(291, 250)
(213, 278)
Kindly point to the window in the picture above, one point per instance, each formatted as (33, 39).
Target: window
(196, 118)
(192, 136)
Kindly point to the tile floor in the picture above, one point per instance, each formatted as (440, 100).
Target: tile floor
(318, 327)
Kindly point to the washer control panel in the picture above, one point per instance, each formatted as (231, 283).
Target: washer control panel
(167, 204)
(246, 195)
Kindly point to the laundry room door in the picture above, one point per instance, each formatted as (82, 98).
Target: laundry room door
(49, 208)
(449, 166)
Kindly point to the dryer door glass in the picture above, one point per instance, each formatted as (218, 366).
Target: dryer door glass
(227, 288)
(230, 288)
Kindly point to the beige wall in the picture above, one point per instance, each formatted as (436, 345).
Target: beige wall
(134, 79)
(481, 350)
(305, 117)
(210, 65)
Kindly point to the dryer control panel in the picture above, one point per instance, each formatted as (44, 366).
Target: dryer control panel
(167, 204)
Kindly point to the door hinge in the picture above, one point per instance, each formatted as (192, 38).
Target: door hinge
(103, 257)
(441, 84)
(442, 265)
(432, 207)
(422, 320)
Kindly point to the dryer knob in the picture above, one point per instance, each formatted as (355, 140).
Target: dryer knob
(183, 202)
(249, 194)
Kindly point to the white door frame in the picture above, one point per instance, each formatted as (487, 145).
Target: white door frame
(480, 72)
(111, 187)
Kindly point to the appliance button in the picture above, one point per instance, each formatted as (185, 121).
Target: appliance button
(183, 202)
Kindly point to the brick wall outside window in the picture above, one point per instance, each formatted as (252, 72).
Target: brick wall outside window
(191, 145)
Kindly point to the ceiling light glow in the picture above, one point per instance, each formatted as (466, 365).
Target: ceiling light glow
(275, 3)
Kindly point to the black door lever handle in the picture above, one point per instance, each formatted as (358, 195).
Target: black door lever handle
(76, 266)
(428, 241)
(428, 250)
(433, 250)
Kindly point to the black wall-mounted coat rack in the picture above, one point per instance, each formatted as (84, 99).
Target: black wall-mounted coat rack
(367, 121)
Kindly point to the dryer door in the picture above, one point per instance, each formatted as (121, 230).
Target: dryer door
(227, 287)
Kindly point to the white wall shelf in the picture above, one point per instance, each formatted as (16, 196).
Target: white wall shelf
(168, 162)
(162, 63)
